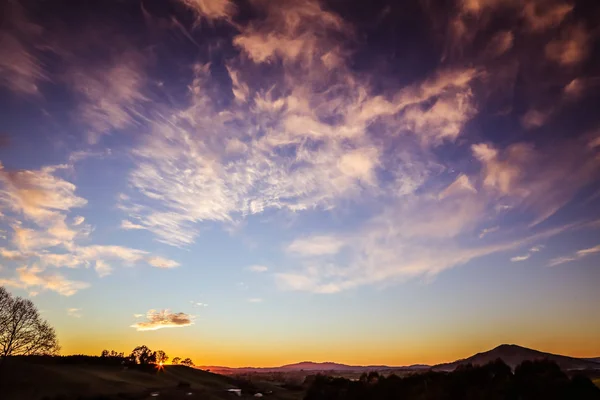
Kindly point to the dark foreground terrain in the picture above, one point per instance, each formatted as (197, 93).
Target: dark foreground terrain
(27, 380)
(530, 380)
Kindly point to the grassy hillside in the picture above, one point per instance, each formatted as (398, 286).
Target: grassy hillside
(30, 381)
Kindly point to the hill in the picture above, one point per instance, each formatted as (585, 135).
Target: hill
(513, 355)
(309, 366)
(31, 381)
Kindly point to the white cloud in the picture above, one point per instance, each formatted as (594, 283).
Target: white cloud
(163, 319)
(78, 220)
(258, 268)
(102, 268)
(486, 231)
(520, 258)
(316, 245)
(34, 279)
(575, 256)
(127, 224)
(160, 262)
(74, 312)
(255, 300)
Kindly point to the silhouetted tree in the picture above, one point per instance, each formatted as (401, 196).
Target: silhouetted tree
(188, 361)
(142, 355)
(176, 360)
(105, 353)
(22, 330)
(161, 356)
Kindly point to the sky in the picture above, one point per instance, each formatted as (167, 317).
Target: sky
(266, 182)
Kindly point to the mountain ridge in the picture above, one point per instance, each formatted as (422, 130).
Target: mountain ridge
(511, 354)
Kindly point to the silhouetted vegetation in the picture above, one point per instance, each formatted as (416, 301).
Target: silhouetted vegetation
(188, 361)
(531, 380)
(22, 330)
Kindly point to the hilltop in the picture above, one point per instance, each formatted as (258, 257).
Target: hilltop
(513, 355)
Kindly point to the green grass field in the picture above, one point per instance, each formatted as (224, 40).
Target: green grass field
(25, 381)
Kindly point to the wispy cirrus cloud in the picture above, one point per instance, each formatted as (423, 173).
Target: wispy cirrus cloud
(520, 258)
(163, 319)
(128, 225)
(575, 256)
(21, 70)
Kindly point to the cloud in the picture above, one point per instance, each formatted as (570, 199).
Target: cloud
(571, 49)
(535, 118)
(126, 224)
(520, 258)
(255, 300)
(486, 231)
(575, 256)
(294, 32)
(78, 220)
(461, 184)
(198, 304)
(102, 268)
(160, 262)
(20, 67)
(403, 243)
(542, 15)
(74, 312)
(43, 198)
(258, 268)
(211, 9)
(11, 254)
(499, 44)
(539, 180)
(33, 279)
(111, 93)
(316, 245)
(163, 319)
(537, 248)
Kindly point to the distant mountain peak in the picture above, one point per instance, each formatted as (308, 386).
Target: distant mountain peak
(514, 355)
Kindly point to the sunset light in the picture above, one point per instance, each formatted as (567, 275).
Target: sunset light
(198, 188)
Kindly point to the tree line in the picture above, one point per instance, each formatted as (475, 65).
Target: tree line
(24, 333)
(531, 380)
(142, 355)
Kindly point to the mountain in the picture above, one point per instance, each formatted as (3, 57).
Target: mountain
(309, 366)
(513, 355)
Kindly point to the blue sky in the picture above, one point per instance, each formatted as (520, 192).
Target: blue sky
(278, 181)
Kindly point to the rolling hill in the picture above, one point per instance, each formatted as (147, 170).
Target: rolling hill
(31, 381)
(513, 355)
